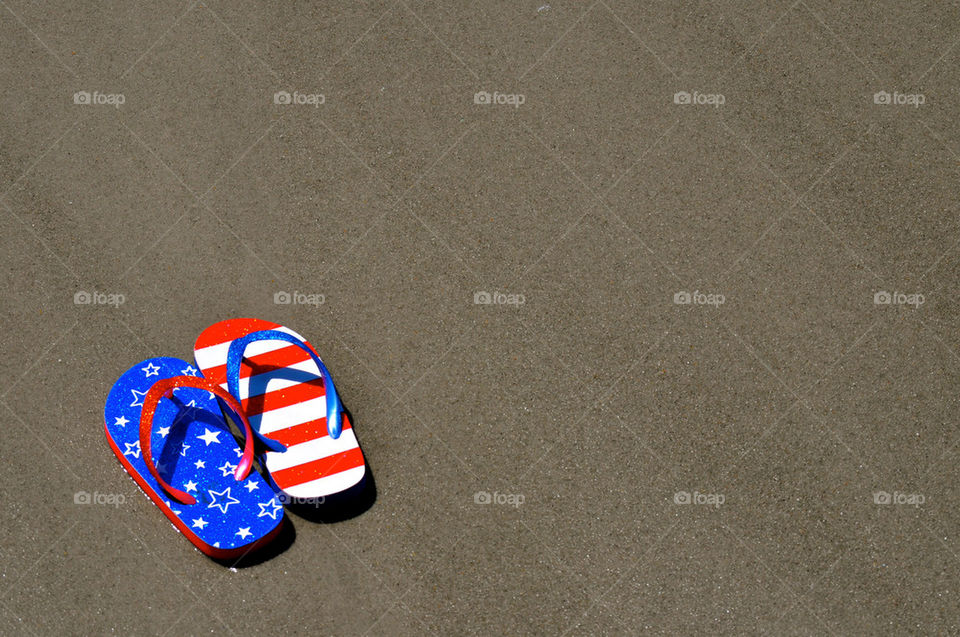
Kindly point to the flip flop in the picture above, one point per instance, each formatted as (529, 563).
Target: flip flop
(218, 504)
(291, 401)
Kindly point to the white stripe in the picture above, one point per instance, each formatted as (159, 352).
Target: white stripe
(275, 380)
(216, 355)
(296, 414)
(316, 449)
(327, 485)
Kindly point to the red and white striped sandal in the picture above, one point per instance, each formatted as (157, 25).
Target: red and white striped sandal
(289, 397)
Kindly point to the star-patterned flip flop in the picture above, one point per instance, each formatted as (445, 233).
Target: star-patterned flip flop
(164, 422)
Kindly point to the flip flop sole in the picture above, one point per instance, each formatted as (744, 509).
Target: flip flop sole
(283, 394)
(194, 451)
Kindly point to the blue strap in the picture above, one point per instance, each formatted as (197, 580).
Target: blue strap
(235, 355)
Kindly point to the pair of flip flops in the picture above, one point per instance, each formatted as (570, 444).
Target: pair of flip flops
(164, 421)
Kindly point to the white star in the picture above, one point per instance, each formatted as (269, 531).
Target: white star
(190, 486)
(216, 544)
(150, 370)
(272, 505)
(199, 464)
(250, 486)
(227, 468)
(121, 421)
(244, 533)
(199, 523)
(163, 431)
(133, 449)
(209, 436)
(238, 451)
(189, 371)
(192, 403)
(225, 503)
(183, 451)
(137, 398)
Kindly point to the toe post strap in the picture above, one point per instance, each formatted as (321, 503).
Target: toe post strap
(164, 389)
(235, 356)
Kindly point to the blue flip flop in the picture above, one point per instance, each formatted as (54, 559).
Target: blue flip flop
(201, 479)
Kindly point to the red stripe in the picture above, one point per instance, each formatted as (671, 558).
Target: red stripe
(304, 432)
(231, 329)
(260, 364)
(286, 397)
(286, 478)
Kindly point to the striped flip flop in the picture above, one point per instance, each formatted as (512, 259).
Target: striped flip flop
(289, 397)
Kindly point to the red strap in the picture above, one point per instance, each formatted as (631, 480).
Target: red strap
(164, 389)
